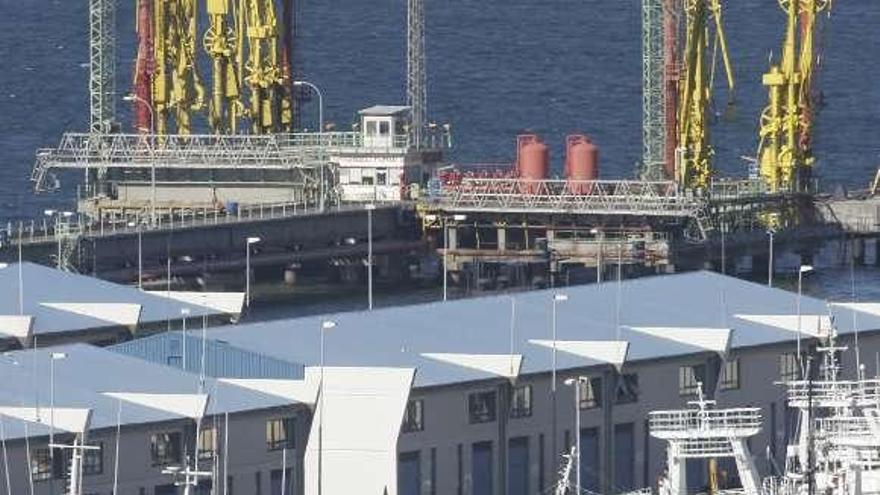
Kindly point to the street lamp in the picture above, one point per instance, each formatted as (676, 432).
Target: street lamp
(370, 207)
(299, 84)
(55, 356)
(184, 312)
(770, 233)
(140, 253)
(576, 383)
(557, 298)
(247, 270)
(136, 98)
(325, 326)
(803, 270)
(445, 220)
(598, 233)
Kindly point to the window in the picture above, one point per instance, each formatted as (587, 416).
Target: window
(41, 464)
(165, 448)
(93, 459)
(366, 181)
(207, 443)
(627, 389)
(384, 128)
(414, 419)
(280, 433)
(371, 128)
(482, 407)
(691, 378)
(591, 393)
(788, 366)
(729, 378)
(521, 402)
(381, 178)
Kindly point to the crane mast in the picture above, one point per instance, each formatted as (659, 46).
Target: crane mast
(678, 78)
(694, 154)
(102, 65)
(785, 156)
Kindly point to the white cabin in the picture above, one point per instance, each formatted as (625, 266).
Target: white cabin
(383, 166)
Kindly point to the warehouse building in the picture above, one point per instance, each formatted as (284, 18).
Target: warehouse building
(484, 414)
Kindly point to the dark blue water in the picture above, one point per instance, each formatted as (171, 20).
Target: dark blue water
(496, 67)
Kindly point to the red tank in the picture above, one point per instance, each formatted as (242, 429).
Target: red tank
(581, 163)
(532, 162)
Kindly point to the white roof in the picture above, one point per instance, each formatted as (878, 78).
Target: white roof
(400, 336)
(810, 324)
(384, 110)
(716, 340)
(360, 416)
(504, 365)
(113, 313)
(16, 326)
(611, 352)
(303, 391)
(221, 302)
(151, 391)
(73, 420)
(62, 302)
(191, 406)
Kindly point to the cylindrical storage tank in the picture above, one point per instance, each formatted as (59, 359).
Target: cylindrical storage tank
(532, 162)
(581, 163)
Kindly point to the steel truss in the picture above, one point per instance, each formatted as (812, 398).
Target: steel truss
(601, 197)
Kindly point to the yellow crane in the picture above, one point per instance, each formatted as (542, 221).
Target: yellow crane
(264, 74)
(175, 32)
(785, 156)
(220, 42)
(694, 150)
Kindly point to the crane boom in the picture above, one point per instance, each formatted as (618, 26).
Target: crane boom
(785, 155)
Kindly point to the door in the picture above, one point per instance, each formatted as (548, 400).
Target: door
(518, 466)
(409, 476)
(481, 468)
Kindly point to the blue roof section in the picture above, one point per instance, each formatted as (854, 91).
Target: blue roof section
(397, 336)
(221, 359)
(48, 285)
(87, 372)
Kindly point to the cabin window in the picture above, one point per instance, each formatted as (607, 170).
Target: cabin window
(590, 392)
(521, 402)
(788, 366)
(482, 407)
(41, 464)
(280, 433)
(207, 443)
(627, 389)
(384, 128)
(371, 128)
(93, 459)
(690, 379)
(729, 379)
(165, 448)
(414, 419)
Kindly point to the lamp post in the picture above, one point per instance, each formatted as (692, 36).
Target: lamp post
(317, 90)
(55, 356)
(247, 270)
(445, 221)
(598, 233)
(370, 207)
(325, 326)
(136, 98)
(140, 253)
(770, 233)
(803, 270)
(576, 383)
(557, 298)
(184, 312)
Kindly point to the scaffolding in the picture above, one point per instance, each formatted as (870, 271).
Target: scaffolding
(102, 65)
(416, 73)
(653, 88)
(554, 196)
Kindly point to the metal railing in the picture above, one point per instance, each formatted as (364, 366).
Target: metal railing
(711, 423)
(49, 232)
(566, 196)
(806, 393)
